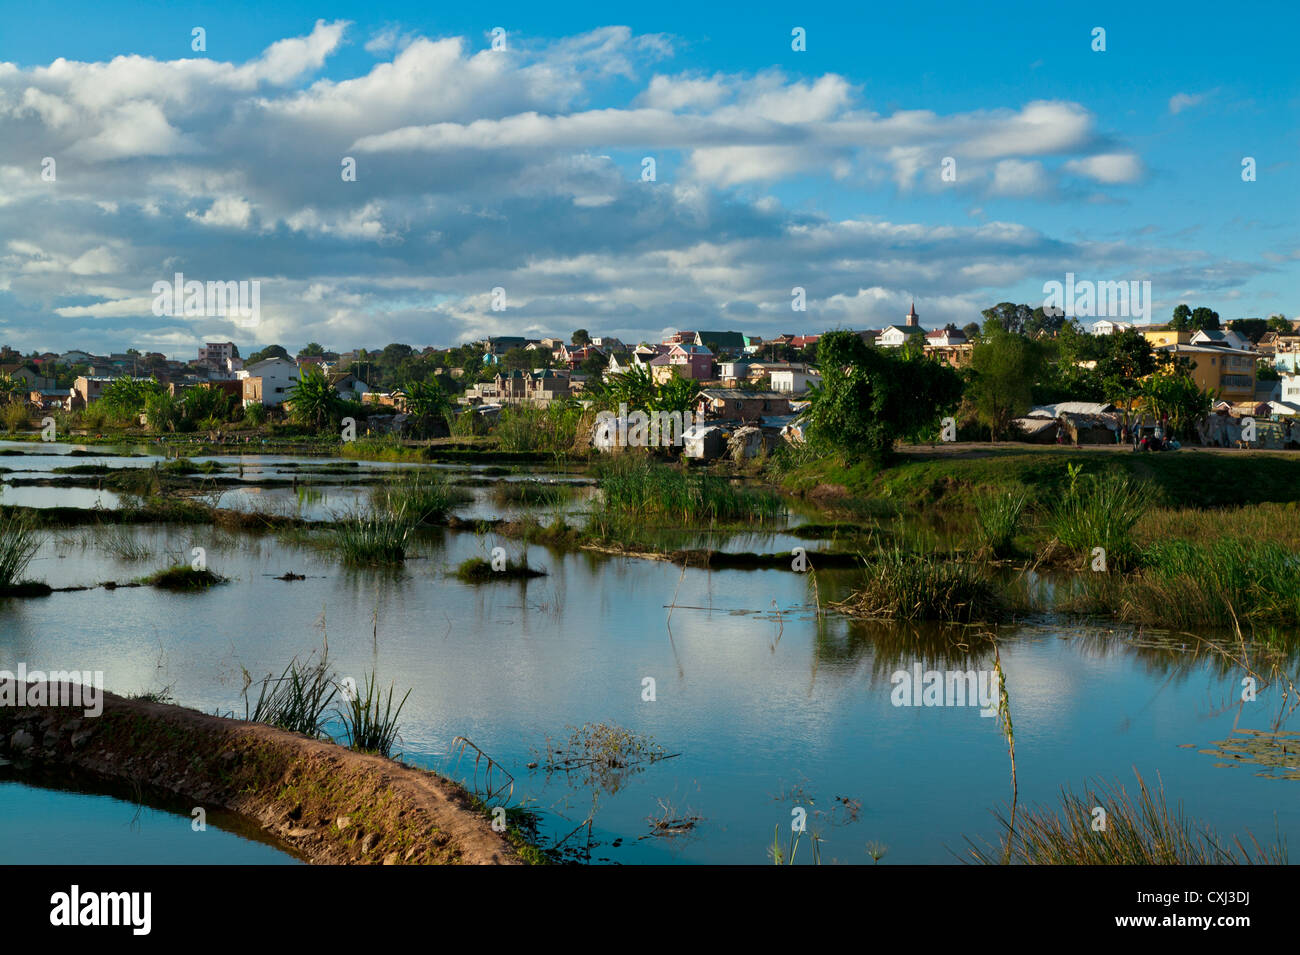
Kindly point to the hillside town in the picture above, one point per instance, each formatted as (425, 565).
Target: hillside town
(1244, 369)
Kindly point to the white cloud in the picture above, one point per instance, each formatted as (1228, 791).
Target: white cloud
(1109, 168)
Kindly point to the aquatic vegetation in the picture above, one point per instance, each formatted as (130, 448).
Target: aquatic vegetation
(368, 729)
(1100, 511)
(296, 700)
(555, 428)
(1145, 831)
(183, 577)
(602, 755)
(477, 570)
(532, 493)
(424, 496)
(19, 542)
(375, 537)
(121, 544)
(998, 519)
(634, 485)
(904, 586)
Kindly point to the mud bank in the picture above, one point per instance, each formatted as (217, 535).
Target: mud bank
(326, 804)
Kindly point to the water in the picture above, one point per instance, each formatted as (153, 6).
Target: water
(768, 706)
(53, 827)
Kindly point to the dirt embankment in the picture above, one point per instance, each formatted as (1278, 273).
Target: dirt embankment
(327, 803)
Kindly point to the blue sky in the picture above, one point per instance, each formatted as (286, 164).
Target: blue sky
(521, 168)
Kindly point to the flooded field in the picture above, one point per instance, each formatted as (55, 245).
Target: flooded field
(762, 701)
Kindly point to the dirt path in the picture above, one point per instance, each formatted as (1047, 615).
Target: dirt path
(327, 803)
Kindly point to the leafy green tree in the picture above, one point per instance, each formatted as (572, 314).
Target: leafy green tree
(1004, 367)
(1204, 319)
(580, 337)
(1279, 324)
(1127, 359)
(1252, 329)
(971, 330)
(270, 351)
(1182, 320)
(518, 358)
(429, 407)
(124, 398)
(871, 398)
(162, 411)
(1171, 393)
(311, 350)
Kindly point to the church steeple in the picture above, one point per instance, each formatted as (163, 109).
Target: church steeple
(912, 318)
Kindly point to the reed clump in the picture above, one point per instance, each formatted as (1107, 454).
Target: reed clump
(1137, 831)
(1100, 511)
(374, 537)
(637, 486)
(424, 496)
(369, 719)
(19, 542)
(905, 586)
(997, 520)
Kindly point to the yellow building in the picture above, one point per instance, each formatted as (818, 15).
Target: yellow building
(1228, 372)
(1160, 337)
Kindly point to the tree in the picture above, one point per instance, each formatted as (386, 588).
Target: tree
(520, 358)
(162, 411)
(580, 337)
(1172, 395)
(1252, 329)
(971, 330)
(429, 408)
(1004, 367)
(1182, 320)
(870, 398)
(311, 350)
(1279, 324)
(1204, 319)
(270, 351)
(312, 399)
(1128, 359)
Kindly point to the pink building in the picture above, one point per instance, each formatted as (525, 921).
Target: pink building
(685, 361)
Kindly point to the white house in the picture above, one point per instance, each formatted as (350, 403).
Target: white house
(278, 375)
(1221, 337)
(791, 381)
(895, 336)
(1290, 389)
(946, 337)
(1107, 327)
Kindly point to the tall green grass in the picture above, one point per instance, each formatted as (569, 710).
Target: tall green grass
(636, 486)
(370, 728)
(997, 518)
(296, 700)
(904, 586)
(1100, 511)
(19, 542)
(1141, 831)
(375, 537)
(425, 496)
(555, 428)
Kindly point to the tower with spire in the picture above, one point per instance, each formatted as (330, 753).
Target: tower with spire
(913, 321)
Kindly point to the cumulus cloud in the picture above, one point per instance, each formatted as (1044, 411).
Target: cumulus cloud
(478, 168)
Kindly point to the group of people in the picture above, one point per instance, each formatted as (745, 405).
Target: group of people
(1157, 440)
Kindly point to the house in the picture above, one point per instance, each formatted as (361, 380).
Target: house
(1161, 335)
(734, 372)
(1227, 371)
(220, 357)
(48, 399)
(684, 361)
(275, 379)
(945, 337)
(1290, 391)
(1224, 337)
(725, 343)
(395, 399)
(348, 386)
(680, 338)
(538, 387)
(75, 357)
(732, 404)
(1107, 327)
(31, 380)
(894, 336)
(793, 381)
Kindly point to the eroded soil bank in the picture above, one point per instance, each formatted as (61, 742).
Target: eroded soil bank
(326, 803)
